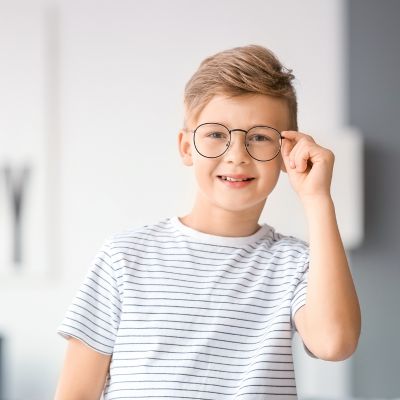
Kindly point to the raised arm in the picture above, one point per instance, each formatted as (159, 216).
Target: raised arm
(83, 374)
(330, 322)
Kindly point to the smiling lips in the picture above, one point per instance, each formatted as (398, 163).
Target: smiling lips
(236, 181)
(235, 178)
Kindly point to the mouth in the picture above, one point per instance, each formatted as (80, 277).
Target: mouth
(237, 178)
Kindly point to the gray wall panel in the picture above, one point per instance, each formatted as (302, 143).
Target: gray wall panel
(374, 107)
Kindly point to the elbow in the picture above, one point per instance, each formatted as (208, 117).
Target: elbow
(334, 342)
(338, 353)
(339, 349)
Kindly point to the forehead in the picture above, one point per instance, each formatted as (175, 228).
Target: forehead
(246, 111)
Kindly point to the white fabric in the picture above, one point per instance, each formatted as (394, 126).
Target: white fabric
(190, 315)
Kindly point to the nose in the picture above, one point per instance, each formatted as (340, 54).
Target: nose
(237, 152)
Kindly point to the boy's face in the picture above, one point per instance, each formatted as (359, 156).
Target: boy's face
(241, 112)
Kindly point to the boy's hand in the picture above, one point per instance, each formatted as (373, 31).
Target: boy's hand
(308, 165)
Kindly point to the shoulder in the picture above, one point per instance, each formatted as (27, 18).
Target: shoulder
(160, 232)
(287, 247)
(291, 242)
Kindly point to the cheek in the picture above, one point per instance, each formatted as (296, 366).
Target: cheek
(270, 174)
(205, 169)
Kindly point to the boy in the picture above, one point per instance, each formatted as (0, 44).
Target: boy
(205, 306)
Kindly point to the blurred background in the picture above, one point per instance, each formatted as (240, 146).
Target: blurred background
(90, 107)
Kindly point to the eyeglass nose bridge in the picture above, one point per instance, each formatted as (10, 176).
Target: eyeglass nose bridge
(238, 130)
(230, 136)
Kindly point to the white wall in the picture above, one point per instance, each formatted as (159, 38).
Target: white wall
(113, 77)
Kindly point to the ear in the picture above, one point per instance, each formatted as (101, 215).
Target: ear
(185, 147)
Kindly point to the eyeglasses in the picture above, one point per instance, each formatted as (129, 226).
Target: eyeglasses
(212, 140)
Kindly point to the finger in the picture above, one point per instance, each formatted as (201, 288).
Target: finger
(301, 158)
(286, 149)
(301, 153)
(292, 139)
(289, 134)
(296, 136)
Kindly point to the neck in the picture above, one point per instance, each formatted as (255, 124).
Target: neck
(214, 220)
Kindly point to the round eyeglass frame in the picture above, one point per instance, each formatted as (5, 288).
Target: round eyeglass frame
(230, 139)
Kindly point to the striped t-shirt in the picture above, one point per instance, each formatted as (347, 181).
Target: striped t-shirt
(189, 315)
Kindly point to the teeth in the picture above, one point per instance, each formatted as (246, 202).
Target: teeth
(227, 178)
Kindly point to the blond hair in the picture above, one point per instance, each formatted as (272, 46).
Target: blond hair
(239, 71)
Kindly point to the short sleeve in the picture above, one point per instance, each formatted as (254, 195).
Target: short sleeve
(300, 291)
(94, 314)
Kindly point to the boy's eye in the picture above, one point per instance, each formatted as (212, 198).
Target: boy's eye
(260, 138)
(217, 135)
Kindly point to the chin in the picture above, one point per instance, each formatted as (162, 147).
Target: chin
(240, 206)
